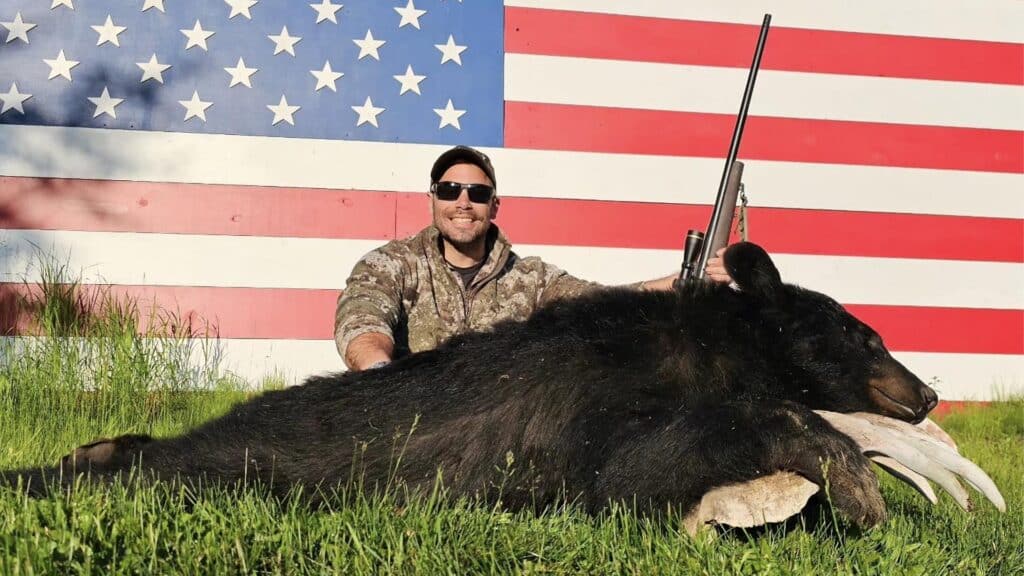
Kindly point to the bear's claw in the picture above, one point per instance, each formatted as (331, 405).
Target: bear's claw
(853, 490)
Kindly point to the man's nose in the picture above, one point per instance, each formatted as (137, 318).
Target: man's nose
(463, 200)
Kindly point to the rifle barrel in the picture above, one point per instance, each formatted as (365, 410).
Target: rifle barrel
(737, 135)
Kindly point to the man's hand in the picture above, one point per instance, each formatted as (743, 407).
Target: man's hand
(715, 270)
(366, 350)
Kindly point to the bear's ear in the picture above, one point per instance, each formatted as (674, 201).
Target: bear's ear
(753, 270)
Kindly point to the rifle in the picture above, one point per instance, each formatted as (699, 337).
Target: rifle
(699, 247)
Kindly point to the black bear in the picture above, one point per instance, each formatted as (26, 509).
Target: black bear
(652, 398)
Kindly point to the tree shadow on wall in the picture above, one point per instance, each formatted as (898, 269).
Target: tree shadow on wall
(28, 203)
(34, 199)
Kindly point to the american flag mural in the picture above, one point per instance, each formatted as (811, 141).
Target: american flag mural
(235, 158)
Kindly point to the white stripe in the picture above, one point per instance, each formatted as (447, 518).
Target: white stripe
(52, 152)
(592, 176)
(645, 85)
(968, 376)
(256, 362)
(955, 376)
(291, 361)
(996, 20)
(850, 280)
(183, 259)
(240, 261)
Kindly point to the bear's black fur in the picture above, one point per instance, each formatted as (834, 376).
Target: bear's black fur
(642, 397)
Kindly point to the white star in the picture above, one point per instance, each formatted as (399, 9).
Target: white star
(367, 113)
(450, 51)
(368, 46)
(283, 111)
(195, 108)
(62, 3)
(152, 70)
(197, 36)
(240, 74)
(326, 77)
(17, 29)
(409, 80)
(240, 7)
(410, 15)
(60, 66)
(105, 104)
(449, 116)
(13, 99)
(108, 32)
(158, 4)
(283, 42)
(326, 11)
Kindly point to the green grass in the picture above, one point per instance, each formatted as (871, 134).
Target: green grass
(94, 375)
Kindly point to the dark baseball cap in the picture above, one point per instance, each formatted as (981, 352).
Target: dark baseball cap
(462, 155)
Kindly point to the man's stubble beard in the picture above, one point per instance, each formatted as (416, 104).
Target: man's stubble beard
(465, 246)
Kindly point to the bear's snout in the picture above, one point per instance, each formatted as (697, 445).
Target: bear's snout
(930, 397)
(898, 393)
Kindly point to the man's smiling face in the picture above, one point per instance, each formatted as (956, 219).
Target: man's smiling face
(461, 222)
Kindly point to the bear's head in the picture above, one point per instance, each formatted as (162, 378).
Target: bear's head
(838, 363)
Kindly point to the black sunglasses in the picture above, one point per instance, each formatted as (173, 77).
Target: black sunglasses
(449, 191)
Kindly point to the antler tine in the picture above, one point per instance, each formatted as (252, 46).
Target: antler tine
(920, 483)
(919, 452)
(940, 451)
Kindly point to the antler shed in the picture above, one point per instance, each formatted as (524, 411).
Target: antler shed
(915, 454)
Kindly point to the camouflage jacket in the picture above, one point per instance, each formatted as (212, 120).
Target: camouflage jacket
(406, 290)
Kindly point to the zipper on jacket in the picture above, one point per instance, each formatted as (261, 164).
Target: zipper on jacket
(469, 294)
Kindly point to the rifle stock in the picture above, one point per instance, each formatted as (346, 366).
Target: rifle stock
(700, 247)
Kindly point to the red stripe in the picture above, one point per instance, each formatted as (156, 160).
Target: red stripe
(279, 313)
(112, 206)
(817, 232)
(309, 314)
(615, 37)
(100, 206)
(947, 407)
(632, 131)
(932, 329)
(820, 232)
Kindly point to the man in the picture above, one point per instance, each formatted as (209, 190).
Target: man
(457, 275)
